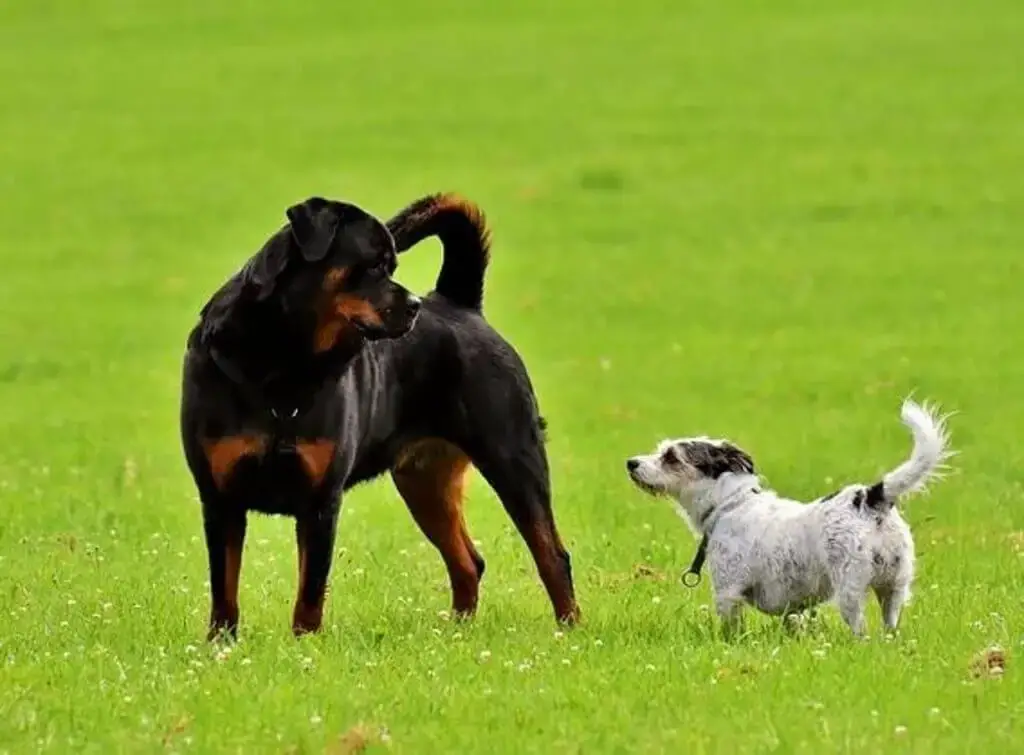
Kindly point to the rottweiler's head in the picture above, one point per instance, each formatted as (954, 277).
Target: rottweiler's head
(331, 267)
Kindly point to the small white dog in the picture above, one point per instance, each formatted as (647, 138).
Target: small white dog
(783, 556)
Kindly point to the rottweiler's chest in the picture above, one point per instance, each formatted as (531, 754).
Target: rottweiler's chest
(269, 472)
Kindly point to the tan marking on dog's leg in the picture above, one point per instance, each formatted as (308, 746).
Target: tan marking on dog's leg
(224, 453)
(431, 477)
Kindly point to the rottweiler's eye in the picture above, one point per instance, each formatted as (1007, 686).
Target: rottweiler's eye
(379, 269)
(671, 456)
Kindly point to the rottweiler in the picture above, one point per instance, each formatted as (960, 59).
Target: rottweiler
(311, 370)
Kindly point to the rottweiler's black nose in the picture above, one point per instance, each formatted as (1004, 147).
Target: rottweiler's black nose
(632, 464)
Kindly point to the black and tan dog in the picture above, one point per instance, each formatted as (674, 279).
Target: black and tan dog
(306, 376)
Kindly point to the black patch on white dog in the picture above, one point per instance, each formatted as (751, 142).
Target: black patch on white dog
(714, 460)
(875, 496)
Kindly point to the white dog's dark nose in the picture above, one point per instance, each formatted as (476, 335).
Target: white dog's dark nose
(632, 464)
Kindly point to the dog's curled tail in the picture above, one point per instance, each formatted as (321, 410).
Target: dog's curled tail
(462, 229)
(927, 460)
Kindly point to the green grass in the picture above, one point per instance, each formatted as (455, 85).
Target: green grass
(768, 221)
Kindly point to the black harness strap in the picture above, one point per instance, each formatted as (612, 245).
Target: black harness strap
(282, 420)
(691, 577)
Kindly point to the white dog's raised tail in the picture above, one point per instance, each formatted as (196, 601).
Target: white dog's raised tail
(931, 449)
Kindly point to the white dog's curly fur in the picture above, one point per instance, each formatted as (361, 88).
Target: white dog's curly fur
(783, 556)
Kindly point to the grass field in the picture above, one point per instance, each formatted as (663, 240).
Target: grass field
(769, 221)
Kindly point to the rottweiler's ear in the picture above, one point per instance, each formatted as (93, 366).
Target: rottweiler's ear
(362, 230)
(314, 224)
(268, 264)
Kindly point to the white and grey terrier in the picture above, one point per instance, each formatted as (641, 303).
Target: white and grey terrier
(783, 556)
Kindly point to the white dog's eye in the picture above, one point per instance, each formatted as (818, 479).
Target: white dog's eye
(670, 457)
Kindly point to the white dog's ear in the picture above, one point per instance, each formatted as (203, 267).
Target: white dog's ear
(715, 459)
(739, 460)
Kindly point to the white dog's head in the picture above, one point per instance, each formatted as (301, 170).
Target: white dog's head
(688, 469)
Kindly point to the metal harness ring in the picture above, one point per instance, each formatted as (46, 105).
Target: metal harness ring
(691, 577)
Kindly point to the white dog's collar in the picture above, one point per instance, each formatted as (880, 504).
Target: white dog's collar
(735, 492)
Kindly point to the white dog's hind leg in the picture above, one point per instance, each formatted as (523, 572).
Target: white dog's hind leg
(851, 606)
(852, 592)
(851, 567)
(891, 599)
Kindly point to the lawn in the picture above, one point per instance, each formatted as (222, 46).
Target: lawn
(766, 221)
